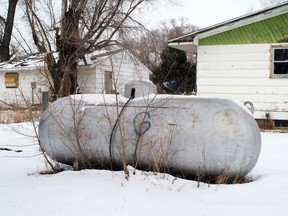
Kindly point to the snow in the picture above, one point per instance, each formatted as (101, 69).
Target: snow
(27, 62)
(24, 191)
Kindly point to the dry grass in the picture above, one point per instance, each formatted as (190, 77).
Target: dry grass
(226, 179)
(17, 115)
(269, 124)
(222, 178)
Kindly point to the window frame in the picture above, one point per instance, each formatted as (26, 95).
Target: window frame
(8, 83)
(109, 82)
(273, 74)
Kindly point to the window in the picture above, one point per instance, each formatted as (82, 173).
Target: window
(11, 80)
(280, 62)
(108, 82)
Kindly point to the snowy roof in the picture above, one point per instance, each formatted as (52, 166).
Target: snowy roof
(28, 61)
(37, 60)
(97, 55)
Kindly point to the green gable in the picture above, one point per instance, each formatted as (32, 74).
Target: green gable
(272, 30)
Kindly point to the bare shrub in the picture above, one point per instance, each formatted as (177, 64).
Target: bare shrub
(18, 115)
(225, 178)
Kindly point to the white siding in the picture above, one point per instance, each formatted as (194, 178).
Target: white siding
(126, 68)
(87, 79)
(24, 92)
(90, 78)
(242, 73)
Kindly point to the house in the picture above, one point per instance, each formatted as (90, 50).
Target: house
(103, 72)
(244, 59)
(22, 81)
(108, 71)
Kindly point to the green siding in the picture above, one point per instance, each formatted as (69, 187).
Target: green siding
(271, 30)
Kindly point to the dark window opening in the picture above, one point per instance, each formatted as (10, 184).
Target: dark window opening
(280, 68)
(281, 123)
(280, 61)
(281, 54)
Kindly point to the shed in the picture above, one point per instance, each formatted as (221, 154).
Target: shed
(103, 72)
(244, 59)
(109, 71)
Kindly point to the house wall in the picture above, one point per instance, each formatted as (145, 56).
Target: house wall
(126, 68)
(87, 80)
(242, 73)
(24, 92)
(90, 78)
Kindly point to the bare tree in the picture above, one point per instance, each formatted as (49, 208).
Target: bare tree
(85, 26)
(7, 34)
(150, 44)
(268, 3)
(2, 27)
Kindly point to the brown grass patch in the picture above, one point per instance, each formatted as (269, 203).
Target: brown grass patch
(17, 115)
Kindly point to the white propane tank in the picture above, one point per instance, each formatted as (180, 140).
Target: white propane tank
(142, 88)
(178, 134)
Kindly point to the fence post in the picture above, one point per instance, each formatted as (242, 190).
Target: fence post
(45, 101)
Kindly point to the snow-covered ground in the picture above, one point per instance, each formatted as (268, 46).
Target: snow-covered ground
(25, 192)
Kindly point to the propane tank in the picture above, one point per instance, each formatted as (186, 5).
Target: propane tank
(184, 135)
(142, 88)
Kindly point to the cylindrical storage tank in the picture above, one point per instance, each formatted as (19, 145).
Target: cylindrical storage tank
(142, 88)
(184, 135)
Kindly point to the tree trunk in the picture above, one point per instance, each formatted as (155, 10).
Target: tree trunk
(96, 17)
(5, 43)
(65, 79)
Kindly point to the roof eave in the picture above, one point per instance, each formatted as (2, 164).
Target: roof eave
(184, 46)
(232, 24)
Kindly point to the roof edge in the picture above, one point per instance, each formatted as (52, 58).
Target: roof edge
(230, 22)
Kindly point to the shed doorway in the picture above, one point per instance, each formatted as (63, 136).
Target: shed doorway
(108, 82)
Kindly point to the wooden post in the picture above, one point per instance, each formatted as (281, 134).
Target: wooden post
(45, 101)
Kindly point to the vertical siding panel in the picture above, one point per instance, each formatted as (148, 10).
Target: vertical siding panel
(126, 68)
